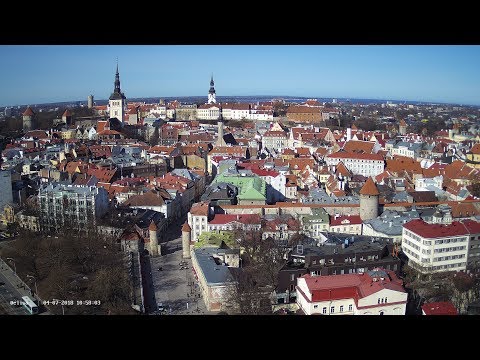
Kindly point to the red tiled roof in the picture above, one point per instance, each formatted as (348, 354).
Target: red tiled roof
(186, 228)
(354, 220)
(200, 209)
(359, 146)
(439, 308)
(275, 134)
(67, 112)
(356, 286)
(263, 172)
(432, 231)
(369, 188)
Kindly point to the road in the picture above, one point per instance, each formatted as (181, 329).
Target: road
(9, 292)
(174, 286)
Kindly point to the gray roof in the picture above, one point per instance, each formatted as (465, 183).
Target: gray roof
(333, 245)
(215, 273)
(391, 222)
(186, 174)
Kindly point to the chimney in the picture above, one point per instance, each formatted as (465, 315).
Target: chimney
(349, 134)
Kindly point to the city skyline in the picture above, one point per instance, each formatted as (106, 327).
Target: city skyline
(43, 74)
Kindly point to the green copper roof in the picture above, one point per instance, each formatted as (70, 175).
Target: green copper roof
(249, 187)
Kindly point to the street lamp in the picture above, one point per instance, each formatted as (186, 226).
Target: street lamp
(36, 289)
(14, 266)
(63, 309)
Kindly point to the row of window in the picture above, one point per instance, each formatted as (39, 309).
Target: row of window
(440, 267)
(409, 252)
(332, 308)
(444, 258)
(453, 248)
(447, 241)
(416, 247)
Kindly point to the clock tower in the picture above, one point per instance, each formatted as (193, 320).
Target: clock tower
(117, 101)
(211, 93)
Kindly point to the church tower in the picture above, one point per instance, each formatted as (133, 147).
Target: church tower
(211, 92)
(117, 101)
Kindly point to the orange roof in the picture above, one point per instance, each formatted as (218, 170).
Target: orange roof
(28, 112)
(369, 188)
(359, 146)
(400, 163)
(303, 110)
(186, 228)
(199, 209)
(153, 226)
(67, 113)
(476, 149)
(402, 123)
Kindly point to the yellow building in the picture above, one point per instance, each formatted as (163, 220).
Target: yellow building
(473, 156)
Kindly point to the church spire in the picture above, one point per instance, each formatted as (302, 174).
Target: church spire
(117, 81)
(211, 92)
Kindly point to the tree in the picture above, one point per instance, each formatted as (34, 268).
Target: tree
(256, 281)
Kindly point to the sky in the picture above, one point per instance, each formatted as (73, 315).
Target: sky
(41, 74)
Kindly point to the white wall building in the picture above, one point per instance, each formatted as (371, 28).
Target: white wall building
(435, 247)
(274, 140)
(375, 292)
(422, 183)
(198, 219)
(209, 112)
(358, 164)
(71, 205)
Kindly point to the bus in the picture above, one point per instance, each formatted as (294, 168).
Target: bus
(30, 305)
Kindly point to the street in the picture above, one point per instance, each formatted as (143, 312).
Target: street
(9, 292)
(174, 287)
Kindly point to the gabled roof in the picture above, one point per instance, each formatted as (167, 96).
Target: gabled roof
(358, 146)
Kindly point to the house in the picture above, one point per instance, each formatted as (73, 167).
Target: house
(375, 292)
(316, 223)
(347, 224)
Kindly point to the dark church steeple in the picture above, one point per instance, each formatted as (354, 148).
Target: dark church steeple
(211, 92)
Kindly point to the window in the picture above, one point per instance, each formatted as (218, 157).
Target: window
(332, 309)
(385, 300)
(324, 310)
(292, 277)
(381, 313)
(350, 307)
(315, 306)
(378, 300)
(341, 308)
(292, 287)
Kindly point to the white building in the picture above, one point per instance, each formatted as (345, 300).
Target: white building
(198, 219)
(435, 247)
(358, 164)
(71, 206)
(274, 140)
(421, 184)
(209, 112)
(375, 292)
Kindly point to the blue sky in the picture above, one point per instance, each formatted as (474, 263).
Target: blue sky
(39, 74)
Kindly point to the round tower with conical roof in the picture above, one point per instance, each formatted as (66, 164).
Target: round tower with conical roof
(186, 236)
(67, 117)
(369, 200)
(153, 239)
(28, 116)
